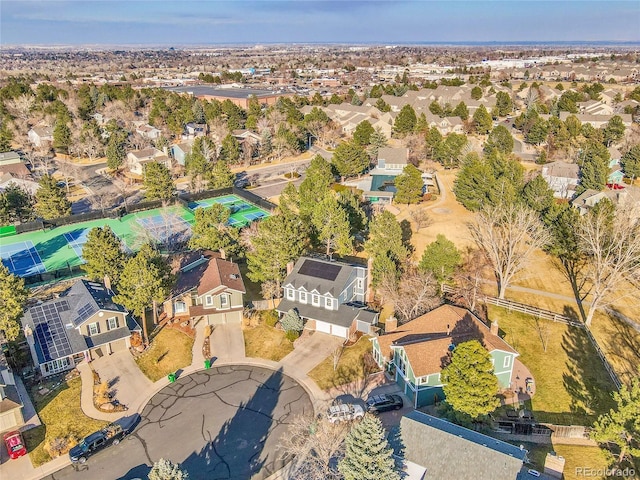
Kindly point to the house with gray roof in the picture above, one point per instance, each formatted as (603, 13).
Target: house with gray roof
(448, 451)
(562, 178)
(11, 405)
(39, 136)
(329, 296)
(83, 323)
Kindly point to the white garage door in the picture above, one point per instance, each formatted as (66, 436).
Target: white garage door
(339, 331)
(323, 327)
(7, 421)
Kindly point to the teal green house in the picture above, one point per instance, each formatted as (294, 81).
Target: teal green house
(415, 353)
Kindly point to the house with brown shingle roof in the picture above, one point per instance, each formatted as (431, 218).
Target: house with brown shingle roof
(416, 352)
(206, 286)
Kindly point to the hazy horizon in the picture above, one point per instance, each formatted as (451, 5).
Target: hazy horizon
(381, 22)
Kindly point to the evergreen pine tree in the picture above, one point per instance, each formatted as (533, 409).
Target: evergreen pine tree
(166, 470)
(362, 133)
(482, 120)
(103, 255)
(331, 225)
(409, 185)
(51, 200)
(157, 182)
(405, 121)
(368, 455)
(441, 258)
(350, 159)
(13, 297)
(221, 176)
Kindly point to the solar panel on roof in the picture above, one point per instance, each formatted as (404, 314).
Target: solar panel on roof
(321, 270)
(49, 330)
(85, 312)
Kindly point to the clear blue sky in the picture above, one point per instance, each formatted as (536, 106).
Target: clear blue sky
(381, 21)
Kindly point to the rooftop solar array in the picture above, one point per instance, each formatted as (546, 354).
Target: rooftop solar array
(84, 313)
(322, 270)
(50, 330)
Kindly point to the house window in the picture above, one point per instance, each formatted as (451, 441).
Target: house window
(507, 361)
(56, 365)
(291, 295)
(400, 363)
(328, 302)
(224, 301)
(303, 297)
(315, 299)
(179, 307)
(359, 284)
(208, 300)
(94, 329)
(112, 323)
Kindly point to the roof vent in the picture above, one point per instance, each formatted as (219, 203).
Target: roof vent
(234, 276)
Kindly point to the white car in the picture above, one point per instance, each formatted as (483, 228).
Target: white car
(345, 412)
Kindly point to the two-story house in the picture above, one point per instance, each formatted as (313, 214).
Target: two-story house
(10, 402)
(206, 286)
(416, 352)
(82, 324)
(562, 178)
(40, 136)
(330, 296)
(137, 159)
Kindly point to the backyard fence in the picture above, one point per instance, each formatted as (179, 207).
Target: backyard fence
(548, 315)
(253, 198)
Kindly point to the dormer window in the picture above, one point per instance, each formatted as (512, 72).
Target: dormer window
(208, 301)
(328, 302)
(303, 297)
(291, 295)
(315, 300)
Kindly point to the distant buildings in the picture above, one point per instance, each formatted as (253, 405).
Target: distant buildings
(239, 96)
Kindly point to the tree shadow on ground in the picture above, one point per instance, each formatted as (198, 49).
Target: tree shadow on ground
(623, 345)
(236, 451)
(355, 380)
(586, 379)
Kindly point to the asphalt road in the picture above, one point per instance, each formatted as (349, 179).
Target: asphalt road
(222, 423)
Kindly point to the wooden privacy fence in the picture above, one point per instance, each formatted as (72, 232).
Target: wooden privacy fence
(548, 315)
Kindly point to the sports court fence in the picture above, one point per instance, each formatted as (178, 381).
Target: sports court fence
(253, 198)
(192, 197)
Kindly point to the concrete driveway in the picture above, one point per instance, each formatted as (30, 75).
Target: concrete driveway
(310, 352)
(128, 383)
(227, 343)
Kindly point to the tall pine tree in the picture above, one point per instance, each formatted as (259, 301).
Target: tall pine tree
(368, 455)
(103, 255)
(51, 201)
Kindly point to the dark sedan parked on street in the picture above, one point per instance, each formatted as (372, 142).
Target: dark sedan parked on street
(384, 403)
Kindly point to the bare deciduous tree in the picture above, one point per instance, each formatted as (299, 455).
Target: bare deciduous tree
(421, 217)
(315, 446)
(415, 294)
(336, 355)
(21, 107)
(611, 242)
(508, 235)
(102, 201)
(468, 278)
(270, 290)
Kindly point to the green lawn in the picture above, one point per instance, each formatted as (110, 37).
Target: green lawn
(575, 456)
(351, 366)
(170, 351)
(61, 417)
(572, 386)
(266, 342)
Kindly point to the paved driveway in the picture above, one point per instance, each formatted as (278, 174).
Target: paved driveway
(310, 352)
(128, 383)
(227, 343)
(221, 423)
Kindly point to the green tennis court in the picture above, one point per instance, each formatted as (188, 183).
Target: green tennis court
(61, 247)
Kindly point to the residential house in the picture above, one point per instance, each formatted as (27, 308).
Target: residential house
(147, 131)
(440, 450)
(562, 178)
(589, 198)
(416, 352)
(598, 121)
(392, 160)
(616, 174)
(11, 162)
(179, 151)
(193, 130)
(248, 139)
(11, 416)
(83, 323)
(41, 136)
(594, 107)
(207, 286)
(137, 159)
(330, 296)
(7, 179)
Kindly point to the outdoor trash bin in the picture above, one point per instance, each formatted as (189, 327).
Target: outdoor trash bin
(207, 363)
(172, 377)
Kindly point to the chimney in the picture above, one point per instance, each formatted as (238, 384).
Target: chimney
(391, 324)
(289, 268)
(494, 328)
(368, 294)
(223, 254)
(107, 282)
(448, 329)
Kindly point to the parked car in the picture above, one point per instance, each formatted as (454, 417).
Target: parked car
(384, 403)
(15, 444)
(109, 435)
(345, 412)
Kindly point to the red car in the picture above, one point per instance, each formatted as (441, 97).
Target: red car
(15, 445)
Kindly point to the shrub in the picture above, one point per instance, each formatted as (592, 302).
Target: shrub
(291, 321)
(136, 339)
(58, 446)
(207, 330)
(270, 317)
(292, 335)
